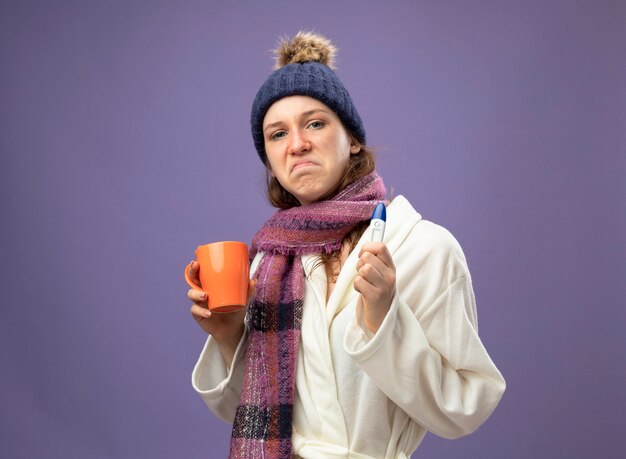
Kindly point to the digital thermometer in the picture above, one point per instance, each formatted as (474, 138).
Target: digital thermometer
(377, 224)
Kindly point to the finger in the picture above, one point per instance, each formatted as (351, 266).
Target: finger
(378, 249)
(369, 259)
(360, 262)
(375, 274)
(378, 284)
(364, 287)
(365, 258)
(373, 247)
(197, 296)
(371, 275)
(194, 268)
(358, 284)
(372, 294)
(199, 312)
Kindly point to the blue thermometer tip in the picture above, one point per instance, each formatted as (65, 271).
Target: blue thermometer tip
(380, 212)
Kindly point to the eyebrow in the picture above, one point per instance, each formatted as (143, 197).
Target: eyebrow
(302, 115)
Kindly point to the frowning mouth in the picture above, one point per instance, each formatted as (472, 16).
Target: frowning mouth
(302, 165)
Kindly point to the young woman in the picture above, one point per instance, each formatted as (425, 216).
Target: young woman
(348, 348)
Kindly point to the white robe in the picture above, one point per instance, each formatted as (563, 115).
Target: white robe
(363, 395)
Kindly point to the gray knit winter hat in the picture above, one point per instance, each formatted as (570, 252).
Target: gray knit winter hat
(304, 66)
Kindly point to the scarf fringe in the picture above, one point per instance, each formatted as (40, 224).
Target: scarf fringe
(298, 251)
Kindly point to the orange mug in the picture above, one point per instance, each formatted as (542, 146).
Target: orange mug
(224, 275)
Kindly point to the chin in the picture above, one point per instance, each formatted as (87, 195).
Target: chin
(309, 194)
(309, 198)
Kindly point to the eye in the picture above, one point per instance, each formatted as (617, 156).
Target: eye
(278, 135)
(317, 124)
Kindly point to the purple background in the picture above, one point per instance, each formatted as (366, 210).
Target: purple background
(125, 142)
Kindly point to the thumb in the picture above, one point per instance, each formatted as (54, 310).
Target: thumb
(194, 271)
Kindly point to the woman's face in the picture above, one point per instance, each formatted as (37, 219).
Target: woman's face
(307, 146)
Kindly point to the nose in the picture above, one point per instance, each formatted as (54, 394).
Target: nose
(299, 143)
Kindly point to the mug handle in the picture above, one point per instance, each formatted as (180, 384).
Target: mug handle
(191, 283)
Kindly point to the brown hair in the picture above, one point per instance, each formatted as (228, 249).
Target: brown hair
(359, 165)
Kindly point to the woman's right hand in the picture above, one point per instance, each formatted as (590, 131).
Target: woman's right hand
(225, 327)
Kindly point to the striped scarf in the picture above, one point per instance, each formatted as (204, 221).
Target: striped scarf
(263, 421)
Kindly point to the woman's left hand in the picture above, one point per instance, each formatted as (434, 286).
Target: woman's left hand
(376, 282)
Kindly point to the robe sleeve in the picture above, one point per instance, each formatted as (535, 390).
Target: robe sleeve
(218, 385)
(427, 356)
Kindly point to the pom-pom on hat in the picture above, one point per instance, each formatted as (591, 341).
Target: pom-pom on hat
(304, 66)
